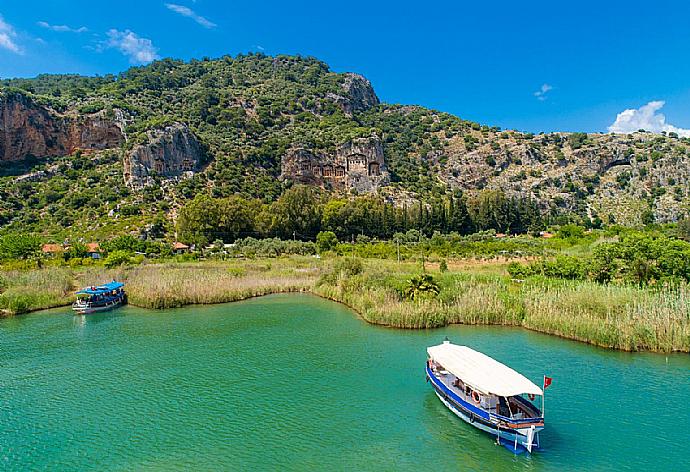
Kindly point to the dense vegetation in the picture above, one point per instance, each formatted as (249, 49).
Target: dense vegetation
(302, 212)
(248, 110)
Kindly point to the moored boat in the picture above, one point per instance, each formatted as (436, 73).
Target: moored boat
(100, 298)
(487, 394)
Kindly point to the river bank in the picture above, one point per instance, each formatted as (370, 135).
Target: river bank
(617, 317)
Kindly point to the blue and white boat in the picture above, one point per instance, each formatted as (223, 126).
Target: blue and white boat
(100, 298)
(487, 394)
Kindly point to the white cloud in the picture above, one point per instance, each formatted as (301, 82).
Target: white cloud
(189, 13)
(543, 90)
(139, 50)
(7, 35)
(646, 118)
(62, 28)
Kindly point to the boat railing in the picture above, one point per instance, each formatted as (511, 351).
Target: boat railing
(528, 405)
(516, 422)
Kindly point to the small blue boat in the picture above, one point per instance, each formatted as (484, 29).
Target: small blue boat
(487, 394)
(100, 298)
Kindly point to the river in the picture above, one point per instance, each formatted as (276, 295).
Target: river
(294, 382)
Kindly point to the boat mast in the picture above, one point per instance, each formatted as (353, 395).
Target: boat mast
(543, 394)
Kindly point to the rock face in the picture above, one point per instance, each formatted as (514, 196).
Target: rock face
(358, 94)
(357, 164)
(173, 151)
(28, 129)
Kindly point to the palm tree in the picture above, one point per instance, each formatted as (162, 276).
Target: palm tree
(420, 286)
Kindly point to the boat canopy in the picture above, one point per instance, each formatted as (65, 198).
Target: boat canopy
(481, 371)
(101, 289)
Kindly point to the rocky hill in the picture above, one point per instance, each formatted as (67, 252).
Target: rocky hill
(118, 152)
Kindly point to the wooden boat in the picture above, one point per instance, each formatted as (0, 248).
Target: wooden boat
(100, 298)
(487, 394)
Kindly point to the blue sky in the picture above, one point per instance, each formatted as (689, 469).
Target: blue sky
(534, 66)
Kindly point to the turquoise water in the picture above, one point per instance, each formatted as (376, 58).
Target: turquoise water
(295, 382)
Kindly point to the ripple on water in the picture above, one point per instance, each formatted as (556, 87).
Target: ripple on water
(296, 382)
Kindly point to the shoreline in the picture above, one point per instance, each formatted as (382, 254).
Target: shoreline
(361, 316)
(619, 317)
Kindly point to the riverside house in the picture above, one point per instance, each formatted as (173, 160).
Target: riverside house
(180, 248)
(52, 249)
(93, 250)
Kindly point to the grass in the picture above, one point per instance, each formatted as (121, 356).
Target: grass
(174, 285)
(159, 285)
(619, 317)
(472, 292)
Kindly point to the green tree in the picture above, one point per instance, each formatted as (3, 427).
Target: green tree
(296, 214)
(198, 220)
(421, 286)
(20, 246)
(683, 229)
(326, 241)
(77, 250)
(117, 258)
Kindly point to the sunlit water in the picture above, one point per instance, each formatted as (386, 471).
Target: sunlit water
(296, 382)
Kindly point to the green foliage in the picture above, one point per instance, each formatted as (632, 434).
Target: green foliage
(77, 250)
(348, 266)
(561, 267)
(326, 241)
(19, 246)
(492, 209)
(577, 140)
(683, 229)
(117, 258)
(571, 232)
(271, 247)
(296, 214)
(420, 287)
(443, 266)
(639, 258)
(205, 219)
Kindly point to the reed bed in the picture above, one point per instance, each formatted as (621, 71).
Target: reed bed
(23, 291)
(619, 317)
(168, 286)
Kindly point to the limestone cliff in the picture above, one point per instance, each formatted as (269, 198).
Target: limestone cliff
(356, 165)
(358, 94)
(173, 151)
(28, 129)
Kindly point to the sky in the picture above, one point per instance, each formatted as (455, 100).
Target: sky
(533, 66)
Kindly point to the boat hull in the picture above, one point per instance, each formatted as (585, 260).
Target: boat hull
(87, 309)
(518, 439)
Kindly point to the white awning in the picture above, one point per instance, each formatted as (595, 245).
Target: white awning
(481, 371)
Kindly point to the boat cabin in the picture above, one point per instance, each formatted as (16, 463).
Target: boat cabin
(512, 407)
(490, 395)
(102, 297)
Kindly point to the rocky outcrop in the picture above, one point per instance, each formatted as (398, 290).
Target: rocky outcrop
(28, 129)
(358, 94)
(173, 151)
(356, 165)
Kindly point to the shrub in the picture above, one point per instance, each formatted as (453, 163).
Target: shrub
(326, 241)
(348, 266)
(421, 286)
(117, 258)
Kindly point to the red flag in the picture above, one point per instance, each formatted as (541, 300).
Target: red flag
(547, 381)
